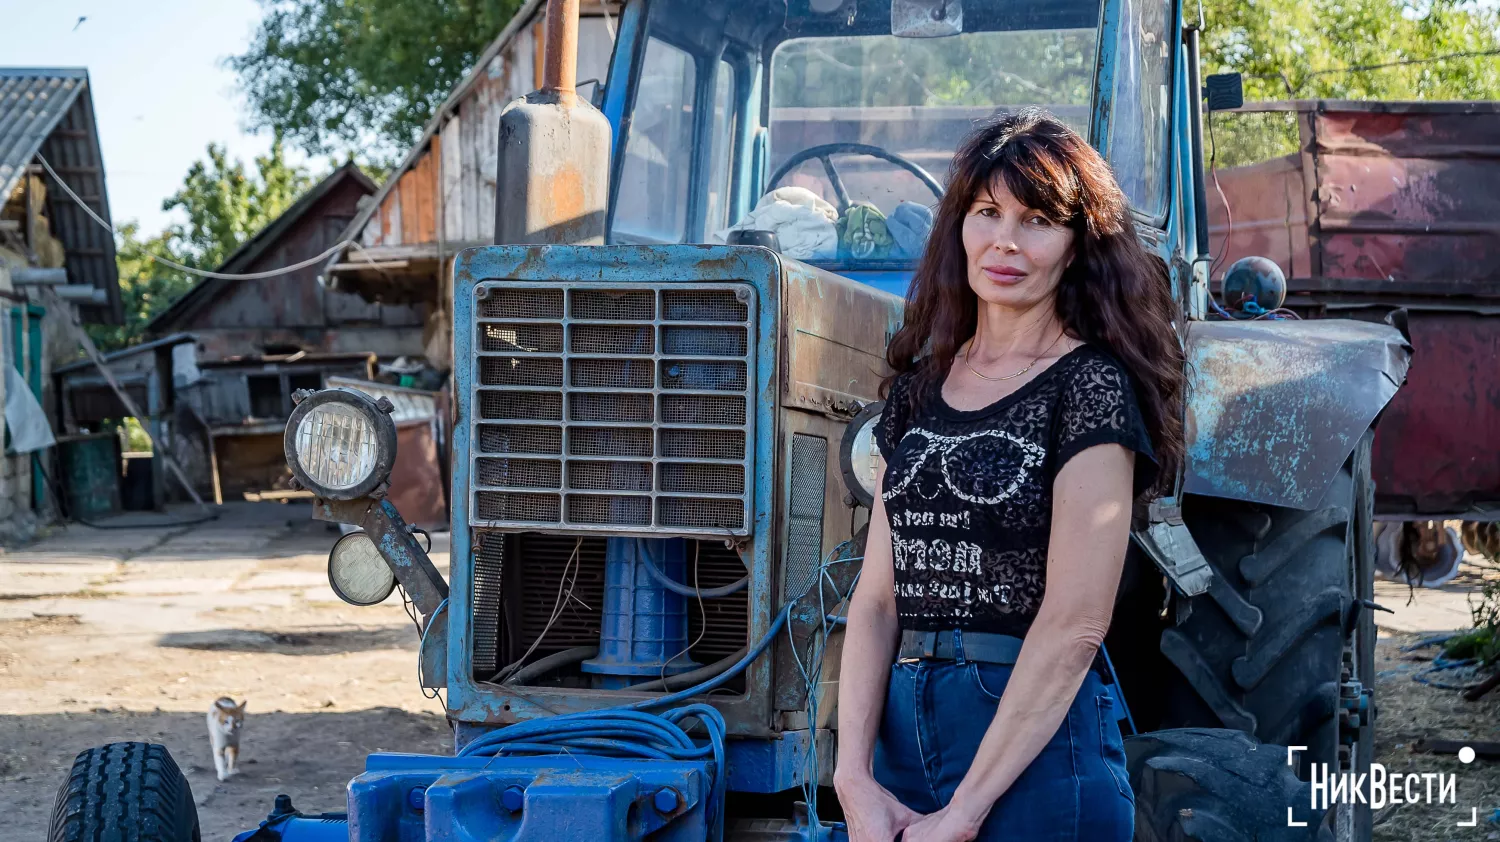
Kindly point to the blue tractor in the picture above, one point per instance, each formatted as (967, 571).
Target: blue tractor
(662, 464)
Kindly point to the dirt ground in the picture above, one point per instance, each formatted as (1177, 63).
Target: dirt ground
(132, 633)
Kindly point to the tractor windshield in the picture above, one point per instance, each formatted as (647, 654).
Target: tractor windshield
(837, 108)
(872, 119)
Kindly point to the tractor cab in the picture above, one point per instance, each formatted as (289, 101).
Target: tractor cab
(858, 106)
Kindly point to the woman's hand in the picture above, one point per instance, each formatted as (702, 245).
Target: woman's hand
(946, 825)
(870, 811)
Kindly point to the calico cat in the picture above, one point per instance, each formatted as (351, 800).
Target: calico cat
(225, 720)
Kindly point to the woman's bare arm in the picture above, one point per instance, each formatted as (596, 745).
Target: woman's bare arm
(1090, 527)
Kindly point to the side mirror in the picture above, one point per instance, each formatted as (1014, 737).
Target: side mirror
(1225, 91)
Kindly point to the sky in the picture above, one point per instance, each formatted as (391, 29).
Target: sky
(161, 91)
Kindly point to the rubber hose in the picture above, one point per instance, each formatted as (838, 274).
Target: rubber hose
(554, 661)
(703, 673)
(685, 590)
(722, 678)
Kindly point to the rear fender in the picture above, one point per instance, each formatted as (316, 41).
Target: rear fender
(1274, 408)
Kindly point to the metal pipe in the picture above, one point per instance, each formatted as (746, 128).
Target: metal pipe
(560, 60)
(28, 275)
(1195, 113)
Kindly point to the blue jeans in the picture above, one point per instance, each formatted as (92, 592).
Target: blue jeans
(1076, 790)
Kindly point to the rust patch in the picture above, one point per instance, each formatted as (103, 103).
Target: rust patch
(565, 193)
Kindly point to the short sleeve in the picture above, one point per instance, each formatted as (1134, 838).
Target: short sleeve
(1098, 406)
(895, 417)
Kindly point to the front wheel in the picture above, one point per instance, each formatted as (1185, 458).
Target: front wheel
(125, 792)
(1282, 645)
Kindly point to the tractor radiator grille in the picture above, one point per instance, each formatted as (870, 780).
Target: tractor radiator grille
(516, 579)
(614, 408)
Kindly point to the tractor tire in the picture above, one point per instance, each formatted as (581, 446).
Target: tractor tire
(1279, 643)
(1216, 785)
(125, 792)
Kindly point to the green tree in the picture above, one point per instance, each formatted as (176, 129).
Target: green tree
(225, 205)
(1343, 49)
(1354, 49)
(361, 75)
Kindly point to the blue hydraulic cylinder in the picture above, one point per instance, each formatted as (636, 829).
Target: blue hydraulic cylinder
(645, 625)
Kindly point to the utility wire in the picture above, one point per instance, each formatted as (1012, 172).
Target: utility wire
(1383, 65)
(226, 276)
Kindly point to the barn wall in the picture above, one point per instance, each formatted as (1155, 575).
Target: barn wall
(251, 317)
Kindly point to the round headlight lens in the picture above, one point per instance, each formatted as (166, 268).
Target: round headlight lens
(357, 572)
(336, 445)
(859, 458)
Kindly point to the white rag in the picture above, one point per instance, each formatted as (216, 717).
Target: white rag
(24, 417)
(803, 223)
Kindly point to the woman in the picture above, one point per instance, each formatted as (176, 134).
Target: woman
(1036, 396)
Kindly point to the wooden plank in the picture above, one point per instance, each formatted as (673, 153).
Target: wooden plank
(427, 188)
(406, 204)
(450, 194)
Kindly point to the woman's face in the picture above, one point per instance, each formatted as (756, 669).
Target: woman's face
(1016, 254)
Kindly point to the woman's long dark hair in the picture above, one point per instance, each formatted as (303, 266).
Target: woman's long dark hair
(1114, 295)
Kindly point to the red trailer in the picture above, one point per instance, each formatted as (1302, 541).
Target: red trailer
(1373, 206)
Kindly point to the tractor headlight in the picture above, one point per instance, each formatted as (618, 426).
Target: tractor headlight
(358, 573)
(340, 443)
(859, 459)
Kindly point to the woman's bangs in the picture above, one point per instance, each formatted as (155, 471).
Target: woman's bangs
(1036, 178)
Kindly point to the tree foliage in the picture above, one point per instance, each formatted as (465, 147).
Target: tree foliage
(361, 75)
(1344, 49)
(225, 204)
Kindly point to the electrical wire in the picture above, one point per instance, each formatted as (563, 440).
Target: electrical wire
(226, 276)
(422, 647)
(1360, 68)
(557, 608)
(812, 676)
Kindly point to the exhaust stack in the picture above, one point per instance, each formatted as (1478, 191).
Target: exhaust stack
(552, 174)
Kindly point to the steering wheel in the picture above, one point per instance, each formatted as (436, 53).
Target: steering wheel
(824, 152)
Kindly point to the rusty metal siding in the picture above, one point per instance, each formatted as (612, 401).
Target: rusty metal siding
(1435, 449)
(1399, 207)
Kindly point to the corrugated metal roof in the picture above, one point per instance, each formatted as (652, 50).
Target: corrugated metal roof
(50, 111)
(32, 103)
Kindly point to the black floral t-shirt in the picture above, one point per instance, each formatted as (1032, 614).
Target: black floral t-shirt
(969, 493)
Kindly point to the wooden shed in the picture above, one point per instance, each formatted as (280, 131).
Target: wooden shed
(293, 312)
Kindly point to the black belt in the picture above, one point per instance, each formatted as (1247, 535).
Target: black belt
(984, 647)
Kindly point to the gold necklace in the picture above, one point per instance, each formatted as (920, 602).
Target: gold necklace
(969, 352)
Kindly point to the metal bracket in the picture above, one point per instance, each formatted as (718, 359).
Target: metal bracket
(1171, 546)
